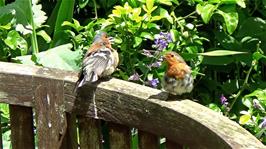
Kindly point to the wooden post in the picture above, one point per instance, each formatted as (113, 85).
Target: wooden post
(89, 133)
(70, 139)
(120, 136)
(172, 145)
(21, 120)
(148, 140)
(50, 112)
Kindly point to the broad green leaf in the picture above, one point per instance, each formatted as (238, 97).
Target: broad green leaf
(227, 41)
(15, 41)
(65, 13)
(244, 119)
(252, 26)
(221, 53)
(19, 9)
(206, 11)
(2, 3)
(230, 16)
(60, 57)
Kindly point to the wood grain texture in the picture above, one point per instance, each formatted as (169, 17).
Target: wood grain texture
(70, 138)
(89, 133)
(148, 140)
(119, 136)
(21, 121)
(126, 103)
(50, 113)
(172, 145)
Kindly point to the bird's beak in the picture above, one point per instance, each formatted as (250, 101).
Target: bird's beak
(111, 39)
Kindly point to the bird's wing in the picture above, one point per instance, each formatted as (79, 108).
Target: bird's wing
(96, 63)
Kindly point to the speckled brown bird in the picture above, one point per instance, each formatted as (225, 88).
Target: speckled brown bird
(100, 60)
(177, 79)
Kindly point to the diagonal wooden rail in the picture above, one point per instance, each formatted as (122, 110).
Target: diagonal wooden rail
(50, 93)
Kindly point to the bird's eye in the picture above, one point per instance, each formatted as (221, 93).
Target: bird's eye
(172, 55)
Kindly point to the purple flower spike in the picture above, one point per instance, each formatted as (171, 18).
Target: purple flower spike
(147, 53)
(223, 100)
(156, 64)
(154, 82)
(162, 40)
(134, 77)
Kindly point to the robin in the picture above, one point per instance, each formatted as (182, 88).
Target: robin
(100, 60)
(177, 79)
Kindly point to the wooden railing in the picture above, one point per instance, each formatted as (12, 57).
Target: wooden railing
(46, 96)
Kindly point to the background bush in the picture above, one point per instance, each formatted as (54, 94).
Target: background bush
(223, 41)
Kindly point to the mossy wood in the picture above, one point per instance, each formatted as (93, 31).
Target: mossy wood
(182, 122)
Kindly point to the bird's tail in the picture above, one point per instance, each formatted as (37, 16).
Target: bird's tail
(83, 79)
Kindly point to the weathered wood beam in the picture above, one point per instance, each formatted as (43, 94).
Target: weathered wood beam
(126, 103)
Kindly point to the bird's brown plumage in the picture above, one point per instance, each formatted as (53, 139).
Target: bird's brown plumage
(99, 61)
(177, 78)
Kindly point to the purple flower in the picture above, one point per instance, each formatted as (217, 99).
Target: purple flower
(162, 40)
(147, 53)
(155, 64)
(134, 77)
(263, 123)
(223, 100)
(154, 82)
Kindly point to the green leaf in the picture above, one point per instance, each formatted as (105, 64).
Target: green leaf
(206, 11)
(214, 107)
(44, 35)
(5, 27)
(167, 2)
(60, 57)
(244, 119)
(65, 13)
(147, 35)
(83, 3)
(230, 16)
(149, 5)
(164, 14)
(241, 3)
(257, 56)
(15, 41)
(227, 41)
(138, 41)
(247, 102)
(221, 53)
(252, 26)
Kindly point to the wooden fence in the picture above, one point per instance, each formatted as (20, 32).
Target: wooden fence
(43, 98)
